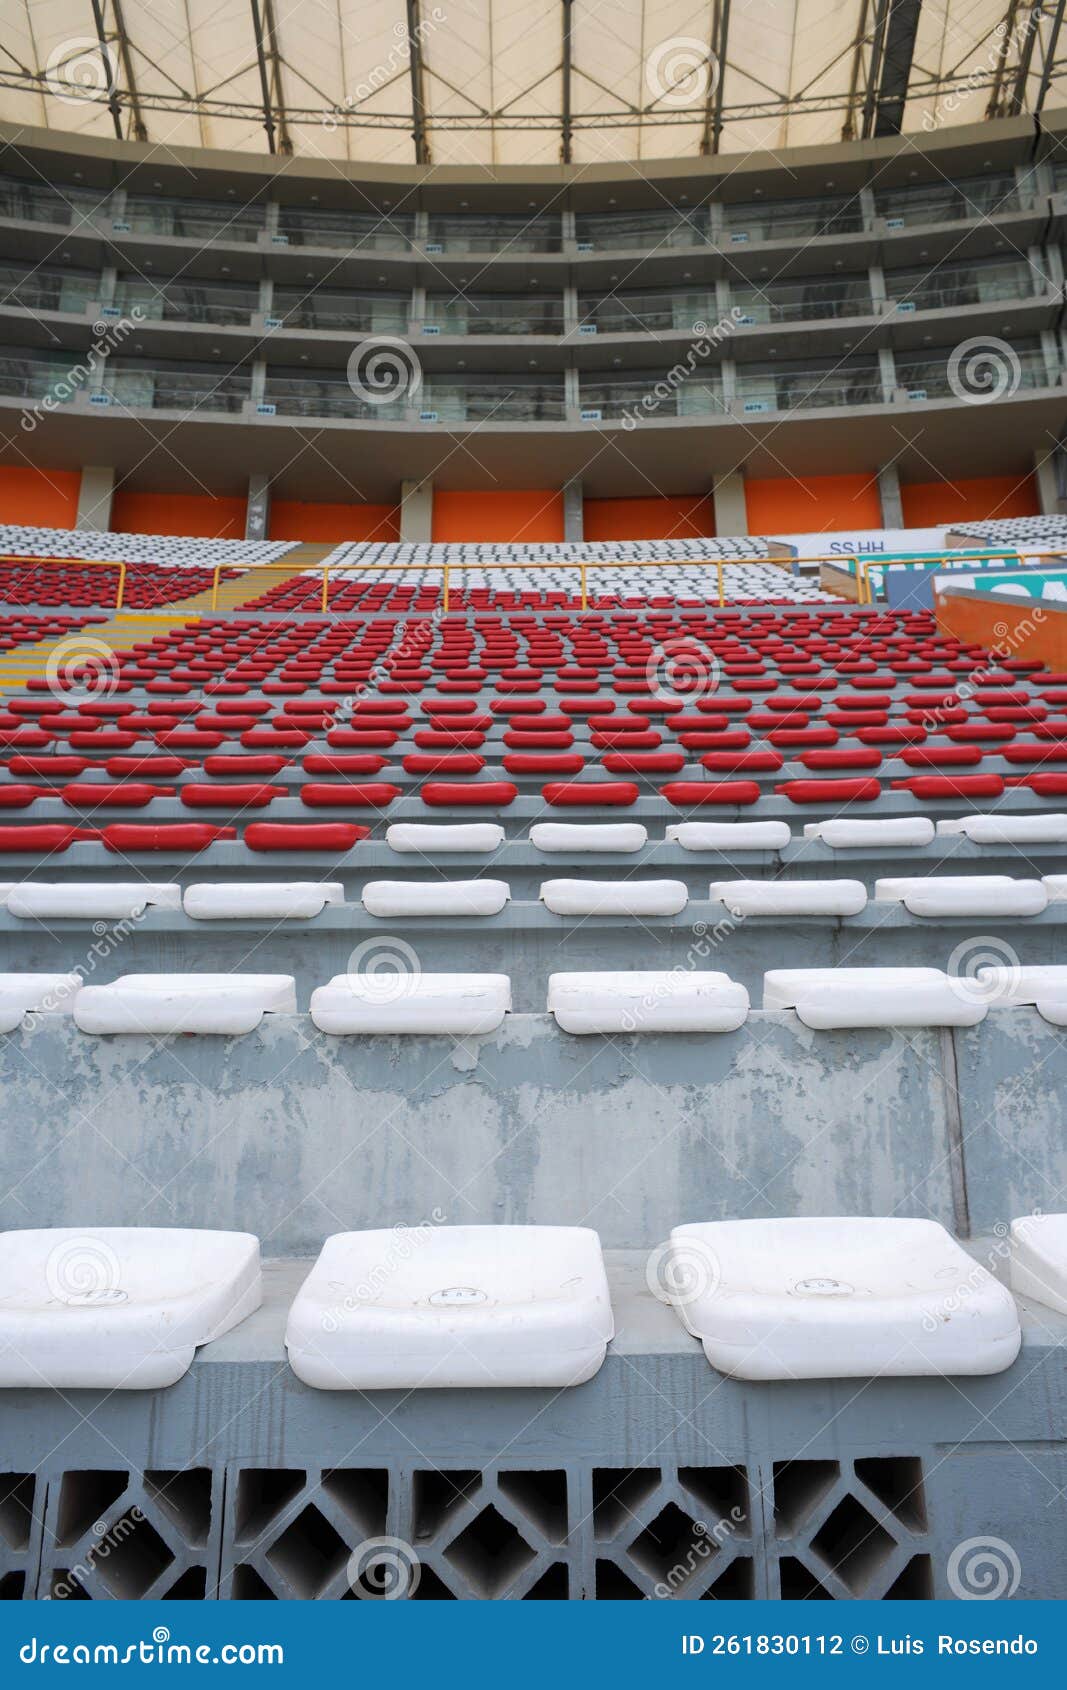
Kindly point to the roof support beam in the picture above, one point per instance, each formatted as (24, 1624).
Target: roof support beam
(1050, 58)
(270, 77)
(848, 129)
(418, 94)
(874, 69)
(1026, 55)
(264, 77)
(566, 122)
(900, 31)
(720, 34)
(113, 101)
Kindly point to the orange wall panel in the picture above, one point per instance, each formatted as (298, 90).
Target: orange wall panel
(933, 504)
(809, 505)
(290, 519)
(499, 517)
(198, 514)
(47, 498)
(1007, 627)
(648, 519)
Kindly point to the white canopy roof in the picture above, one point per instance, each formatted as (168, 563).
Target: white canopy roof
(486, 82)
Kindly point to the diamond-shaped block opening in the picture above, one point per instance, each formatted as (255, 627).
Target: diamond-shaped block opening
(64, 1587)
(618, 1493)
(799, 1584)
(897, 1481)
(915, 1583)
(553, 1585)
(190, 1587)
(612, 1585)
(853, 1544)
(262, 1494)
(309, 1554)
(490, 1553)
(84, 1500)
(12, 1587)
(362, 1494)
(431, 1588)
(436, 1496)
(736, 1584)
(542, 1497)
(185, 1499)
(723, 1491)
(16, 1509)
(799, 1487)
(673, 1549)
(247, 1586)
(131, 1556)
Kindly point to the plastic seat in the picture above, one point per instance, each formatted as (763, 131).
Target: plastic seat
(430, 839)
(884, 831)
(123, 837)
(963, 894)
(1038, 1263)
(288, 900)
(729, 836)
(304, 836)
(386, 1002)
(840, 1298)
(647, 1001)
(689, 794)
(1008, 830)
(790, 897)
(118, 1308)
(590, 794)
(475, 794)
(576, 838)
(615, 897)
(88, 900)
(831, 998)
(435, 897)
(846, 791)
(1009, 986)
(231, 1004)
(472, 1307)
(42, 994)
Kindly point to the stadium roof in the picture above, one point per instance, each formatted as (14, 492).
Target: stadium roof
(521, 82)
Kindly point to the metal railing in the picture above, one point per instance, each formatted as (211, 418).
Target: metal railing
(72, 563)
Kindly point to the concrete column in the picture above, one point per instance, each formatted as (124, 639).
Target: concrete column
(257, 510)
(570, 309)
(887, 369)
(876, 284)
(889, 495)
(1050, 473)
(867, 207)
(572, 397)
(573, 528)
(1052, 356)
(258, 382)
(94, 499)
(731, 512)
(266, 295)
(416, 510)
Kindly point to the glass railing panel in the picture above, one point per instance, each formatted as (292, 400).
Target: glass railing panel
(194, 220)
(645, 231)
(493, 234)
(352, 231)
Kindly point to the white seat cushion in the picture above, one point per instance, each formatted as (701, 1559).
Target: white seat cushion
(433, 838)
(827, 998)
(261, 899)
(1044, 985)
(574, 837)
(1009, 830)
(839, 1298)
(184, 1003)
(1056, 887)
(729, 836)
(464, 1306)
(963, 895)
(89, 900)
(615, 897)
(118, 1308)
(47, 994)
(1039, 1259)
(378, 1003)
(647, 1001)
(435, 897)
(844, 835)
(790, 897)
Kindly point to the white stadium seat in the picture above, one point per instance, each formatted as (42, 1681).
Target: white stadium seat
(90, 900)
(1039, 1259)
(1011, 985)
(435, 897)
(1048, 829)
(248, 900)
(963, 895)
(615, 897)
(118, 1308)
(378, 1003)
(730, 836)
(830, 998)
(647, 1001)
(430, 838)
(573, 837)
(470, 1306)
(45, 994)
(184, 1003)
(843, 834)
(790, 897)
(839, 1298)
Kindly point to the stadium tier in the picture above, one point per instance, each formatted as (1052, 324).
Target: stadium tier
(533, 834)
